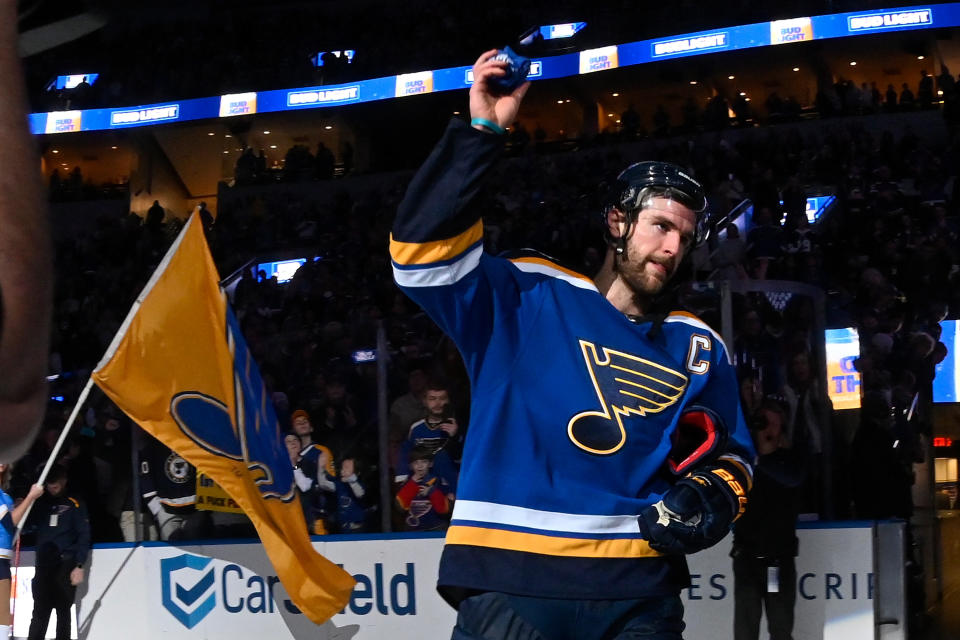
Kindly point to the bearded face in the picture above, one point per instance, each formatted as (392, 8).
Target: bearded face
(657, 242)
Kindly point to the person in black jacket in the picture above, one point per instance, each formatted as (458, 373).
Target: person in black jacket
(764, 538)
(62, 543)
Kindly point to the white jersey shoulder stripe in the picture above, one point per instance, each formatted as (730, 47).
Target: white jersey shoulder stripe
(543, 268)
(552, 521)
(700, 324)
(414, 426)
(441, 275)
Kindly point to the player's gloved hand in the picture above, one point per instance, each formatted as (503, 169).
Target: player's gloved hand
(694, 514)
(700, 433)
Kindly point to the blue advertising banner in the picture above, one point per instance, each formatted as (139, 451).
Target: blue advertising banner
(761, 34)
(946, 383)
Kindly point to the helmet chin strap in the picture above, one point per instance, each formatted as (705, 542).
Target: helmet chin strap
(620, 245)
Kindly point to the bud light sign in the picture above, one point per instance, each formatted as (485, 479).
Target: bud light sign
(598, 59)
(793, 30)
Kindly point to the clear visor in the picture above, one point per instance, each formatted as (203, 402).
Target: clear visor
(662, 199)
(649, 198)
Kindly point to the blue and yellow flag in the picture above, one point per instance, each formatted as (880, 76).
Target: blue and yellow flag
(180, 368)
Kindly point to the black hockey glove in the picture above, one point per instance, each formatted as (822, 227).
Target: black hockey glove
(695, 513)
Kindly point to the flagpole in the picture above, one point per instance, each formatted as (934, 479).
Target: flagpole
(56, 448)
(114, 344)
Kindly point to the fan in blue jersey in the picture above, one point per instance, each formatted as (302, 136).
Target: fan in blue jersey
(627, 446)
(351, 513)
(10, 517)
(437, 434)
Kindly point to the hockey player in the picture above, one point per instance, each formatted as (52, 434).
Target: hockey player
(168, 485)
(627, 447)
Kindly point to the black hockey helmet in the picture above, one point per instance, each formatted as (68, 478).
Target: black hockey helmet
(642, 181)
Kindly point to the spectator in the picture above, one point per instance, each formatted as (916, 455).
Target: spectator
(82, 94)
(764, 242)
(245, 169)
(302, 428)
(351, 513)
(437, 434)
(404, 411)
(799, 243)
(907, 102)
(423, 498)
(315, 475)
(341, 429)
(751, 393)
(756, 348)
(804, 427)
(62, 542)
(168, 486)
(925, 90)
(325, 162)
(891, 99)
(764, 538)
(155, 214)
(876, 98)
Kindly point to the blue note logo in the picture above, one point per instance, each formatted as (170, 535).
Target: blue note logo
(188, 598)
(626, 385)
(251, 434)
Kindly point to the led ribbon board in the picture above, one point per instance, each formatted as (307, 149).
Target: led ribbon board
(760, 34)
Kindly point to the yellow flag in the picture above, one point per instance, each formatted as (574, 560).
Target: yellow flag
(180, 368)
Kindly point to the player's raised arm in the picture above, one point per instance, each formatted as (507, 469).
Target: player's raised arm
(436, 205)
(25, 259)
(437, 240)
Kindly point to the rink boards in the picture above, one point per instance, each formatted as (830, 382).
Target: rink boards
(228, 591)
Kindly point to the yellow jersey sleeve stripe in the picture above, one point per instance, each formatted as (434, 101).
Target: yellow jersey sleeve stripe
(552, 265)
(550, 545)
(418, 253)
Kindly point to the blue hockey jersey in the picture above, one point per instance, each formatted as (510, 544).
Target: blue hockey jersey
(7, 527)
(573, 404)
